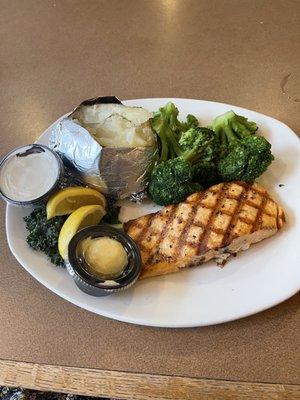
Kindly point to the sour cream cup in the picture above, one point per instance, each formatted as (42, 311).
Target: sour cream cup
(95, 285)
(30, 174)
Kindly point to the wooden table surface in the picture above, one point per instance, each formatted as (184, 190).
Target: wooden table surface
(55, 54)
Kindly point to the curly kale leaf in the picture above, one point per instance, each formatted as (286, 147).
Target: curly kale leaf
(43, 233)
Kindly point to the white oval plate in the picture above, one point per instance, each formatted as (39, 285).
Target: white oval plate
(261, 277)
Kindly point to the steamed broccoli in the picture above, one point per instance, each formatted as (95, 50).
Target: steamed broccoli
(186, 157)
(171, 182)
(166, 125)
(246, 160)
(242, 155)
(233, 124)
(192, 157)
(203, 139)
(191, 122)
(205, 173)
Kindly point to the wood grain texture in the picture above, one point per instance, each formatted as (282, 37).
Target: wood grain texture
(124, 385)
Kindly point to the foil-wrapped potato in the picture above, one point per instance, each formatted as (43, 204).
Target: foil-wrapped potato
(109, 144)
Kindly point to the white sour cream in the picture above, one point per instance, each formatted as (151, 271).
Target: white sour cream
(29, 177)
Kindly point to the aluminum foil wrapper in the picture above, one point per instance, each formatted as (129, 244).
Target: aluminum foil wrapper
(117, 172)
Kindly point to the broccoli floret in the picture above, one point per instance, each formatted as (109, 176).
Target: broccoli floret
(231, 167)
(231, 124)
(171, 182)
(242, 155)
(191, 122)
(166, 125)
(205, 173)
(176, 175)
(246, 160)
(177, 126)
(43, 233)
(203, 139)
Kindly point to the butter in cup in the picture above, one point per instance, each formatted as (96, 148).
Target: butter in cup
(104, 256)
(97, 283)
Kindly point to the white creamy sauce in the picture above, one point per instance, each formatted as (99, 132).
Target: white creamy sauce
(29, 177)
(110, 283)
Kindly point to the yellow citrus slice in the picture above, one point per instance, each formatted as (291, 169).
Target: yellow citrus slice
(79, 219)
(68, 200)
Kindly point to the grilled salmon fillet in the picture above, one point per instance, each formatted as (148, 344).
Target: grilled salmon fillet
(211, 224)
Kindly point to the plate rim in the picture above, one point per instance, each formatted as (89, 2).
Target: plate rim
(153, 325)
(125, 319)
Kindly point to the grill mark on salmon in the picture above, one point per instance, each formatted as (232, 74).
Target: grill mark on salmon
(171, 215)
(186, 230)
(214, 223)
(259, 214)
(146, 226)
(228, 232)
(204, 239)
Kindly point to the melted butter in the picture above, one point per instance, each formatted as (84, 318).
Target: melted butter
(105, 256)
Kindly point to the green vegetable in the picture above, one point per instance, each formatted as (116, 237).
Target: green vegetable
(112, 215)
(43, 233)
(183, 145)
(171, 182)
(203, 140)
(232, 124)
(168, 128)
(191, 122)
(206, 173)
(242, 155)
(192, 158)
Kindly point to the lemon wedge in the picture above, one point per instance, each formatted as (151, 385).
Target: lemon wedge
(70, 199)
(79, 219)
